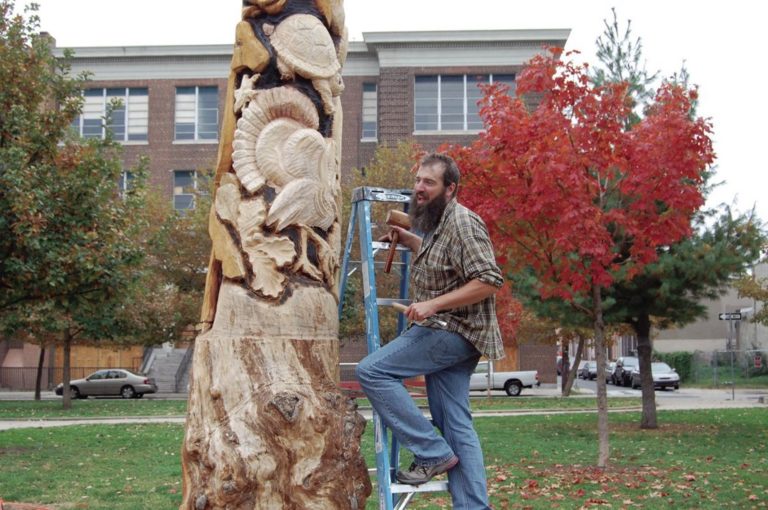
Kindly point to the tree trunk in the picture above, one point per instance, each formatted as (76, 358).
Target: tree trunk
(602, 395)
(39, 376)
(644, 351)
(66, 397)
(573, 369)
(267, 426)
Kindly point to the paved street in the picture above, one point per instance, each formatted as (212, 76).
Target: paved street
(685, 398)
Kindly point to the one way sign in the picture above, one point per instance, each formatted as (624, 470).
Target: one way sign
(730, 316)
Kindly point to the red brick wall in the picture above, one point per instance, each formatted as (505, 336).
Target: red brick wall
(164, 155)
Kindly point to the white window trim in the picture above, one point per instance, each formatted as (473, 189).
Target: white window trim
(194, 189)
(370, 138)
(126, 105)
(465, 108)
(197, 138)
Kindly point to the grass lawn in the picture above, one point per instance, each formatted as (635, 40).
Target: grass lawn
(103, 408)
(697, 459)
(90, 408)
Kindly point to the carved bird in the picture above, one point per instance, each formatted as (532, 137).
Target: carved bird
(301, 165)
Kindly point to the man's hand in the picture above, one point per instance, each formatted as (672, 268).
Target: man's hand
(406, 238)
(420, 311)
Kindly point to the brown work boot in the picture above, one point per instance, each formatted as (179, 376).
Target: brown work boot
(417, 475)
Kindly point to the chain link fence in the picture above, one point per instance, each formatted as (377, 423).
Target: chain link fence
(729, 368)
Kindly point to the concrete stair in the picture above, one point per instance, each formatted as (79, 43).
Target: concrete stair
(164, 367)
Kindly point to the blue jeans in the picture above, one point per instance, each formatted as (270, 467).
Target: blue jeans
(447, 361)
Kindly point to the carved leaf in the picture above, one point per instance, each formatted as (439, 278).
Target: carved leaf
(267, 255)
(250, 219)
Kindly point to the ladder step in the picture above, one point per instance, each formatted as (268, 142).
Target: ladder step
(390, 302)
(382, 245)
(433, 486)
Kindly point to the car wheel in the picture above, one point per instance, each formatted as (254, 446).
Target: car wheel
(677, 386)
(127, 392)
(74, 392)
(634, 386)
(513, 388)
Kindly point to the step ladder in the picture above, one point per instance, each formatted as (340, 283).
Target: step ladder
(392, 495)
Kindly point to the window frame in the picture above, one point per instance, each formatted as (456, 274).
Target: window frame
(438, 101)
(193, 194)
(197, 112)
(126, 183)
(129, 107)
(363, 131)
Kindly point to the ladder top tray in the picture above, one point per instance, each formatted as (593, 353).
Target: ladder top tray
(381, 194)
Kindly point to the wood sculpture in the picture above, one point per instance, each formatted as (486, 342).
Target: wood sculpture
(267, 426)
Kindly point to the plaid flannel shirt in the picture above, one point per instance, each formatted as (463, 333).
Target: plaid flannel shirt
(459, 251)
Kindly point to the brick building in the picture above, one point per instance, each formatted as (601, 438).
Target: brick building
(398, 85)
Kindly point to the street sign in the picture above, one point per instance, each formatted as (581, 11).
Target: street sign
(730, 316)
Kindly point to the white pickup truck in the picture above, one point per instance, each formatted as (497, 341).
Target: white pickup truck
(511, 382)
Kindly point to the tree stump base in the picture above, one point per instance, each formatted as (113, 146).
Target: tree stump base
(267, 425)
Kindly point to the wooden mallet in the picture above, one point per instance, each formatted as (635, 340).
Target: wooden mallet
(398, 219)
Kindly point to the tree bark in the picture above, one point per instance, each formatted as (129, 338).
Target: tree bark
(644, 352)
(573, 369)
(39, 375)
(602, 394)
(267, 426)
(66, 397)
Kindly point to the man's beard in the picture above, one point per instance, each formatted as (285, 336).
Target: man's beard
(425, 217)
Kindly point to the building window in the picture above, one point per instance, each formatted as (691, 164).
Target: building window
(197, 113)
(184, 188)
(370, 111)
(129, 121)
(126, 182)
(449, 102)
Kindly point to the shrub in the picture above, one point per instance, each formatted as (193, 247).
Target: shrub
(680, 361)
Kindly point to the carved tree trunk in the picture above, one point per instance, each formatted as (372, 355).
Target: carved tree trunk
(267, 426)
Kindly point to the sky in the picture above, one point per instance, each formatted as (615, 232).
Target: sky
(719, 42)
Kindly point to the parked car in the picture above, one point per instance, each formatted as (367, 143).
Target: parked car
(609, 368)
(588, 370)
(110, 382)
(664, 376)
(511, 382)
(622, 373)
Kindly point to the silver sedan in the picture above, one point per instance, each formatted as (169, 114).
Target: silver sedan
(110, 382)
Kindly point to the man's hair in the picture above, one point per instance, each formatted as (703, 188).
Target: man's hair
(451, 174)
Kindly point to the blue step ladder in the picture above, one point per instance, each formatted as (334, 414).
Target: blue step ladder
(392, 495)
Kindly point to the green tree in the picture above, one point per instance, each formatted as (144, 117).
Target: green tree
(166, 304)
(622, 57)
(391, 167)
(722, 245)
(754, 287)
(71, 247)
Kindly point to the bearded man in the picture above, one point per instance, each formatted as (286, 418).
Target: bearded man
(454, 277)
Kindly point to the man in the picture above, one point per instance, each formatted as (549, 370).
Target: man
(454, 277)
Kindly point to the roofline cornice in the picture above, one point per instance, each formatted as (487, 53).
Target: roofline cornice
(371, 40)
(148, 51)
(465, 36)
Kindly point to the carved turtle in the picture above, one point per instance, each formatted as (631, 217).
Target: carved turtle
(305, 47)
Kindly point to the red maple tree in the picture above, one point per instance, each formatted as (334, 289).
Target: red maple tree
(572, 193)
